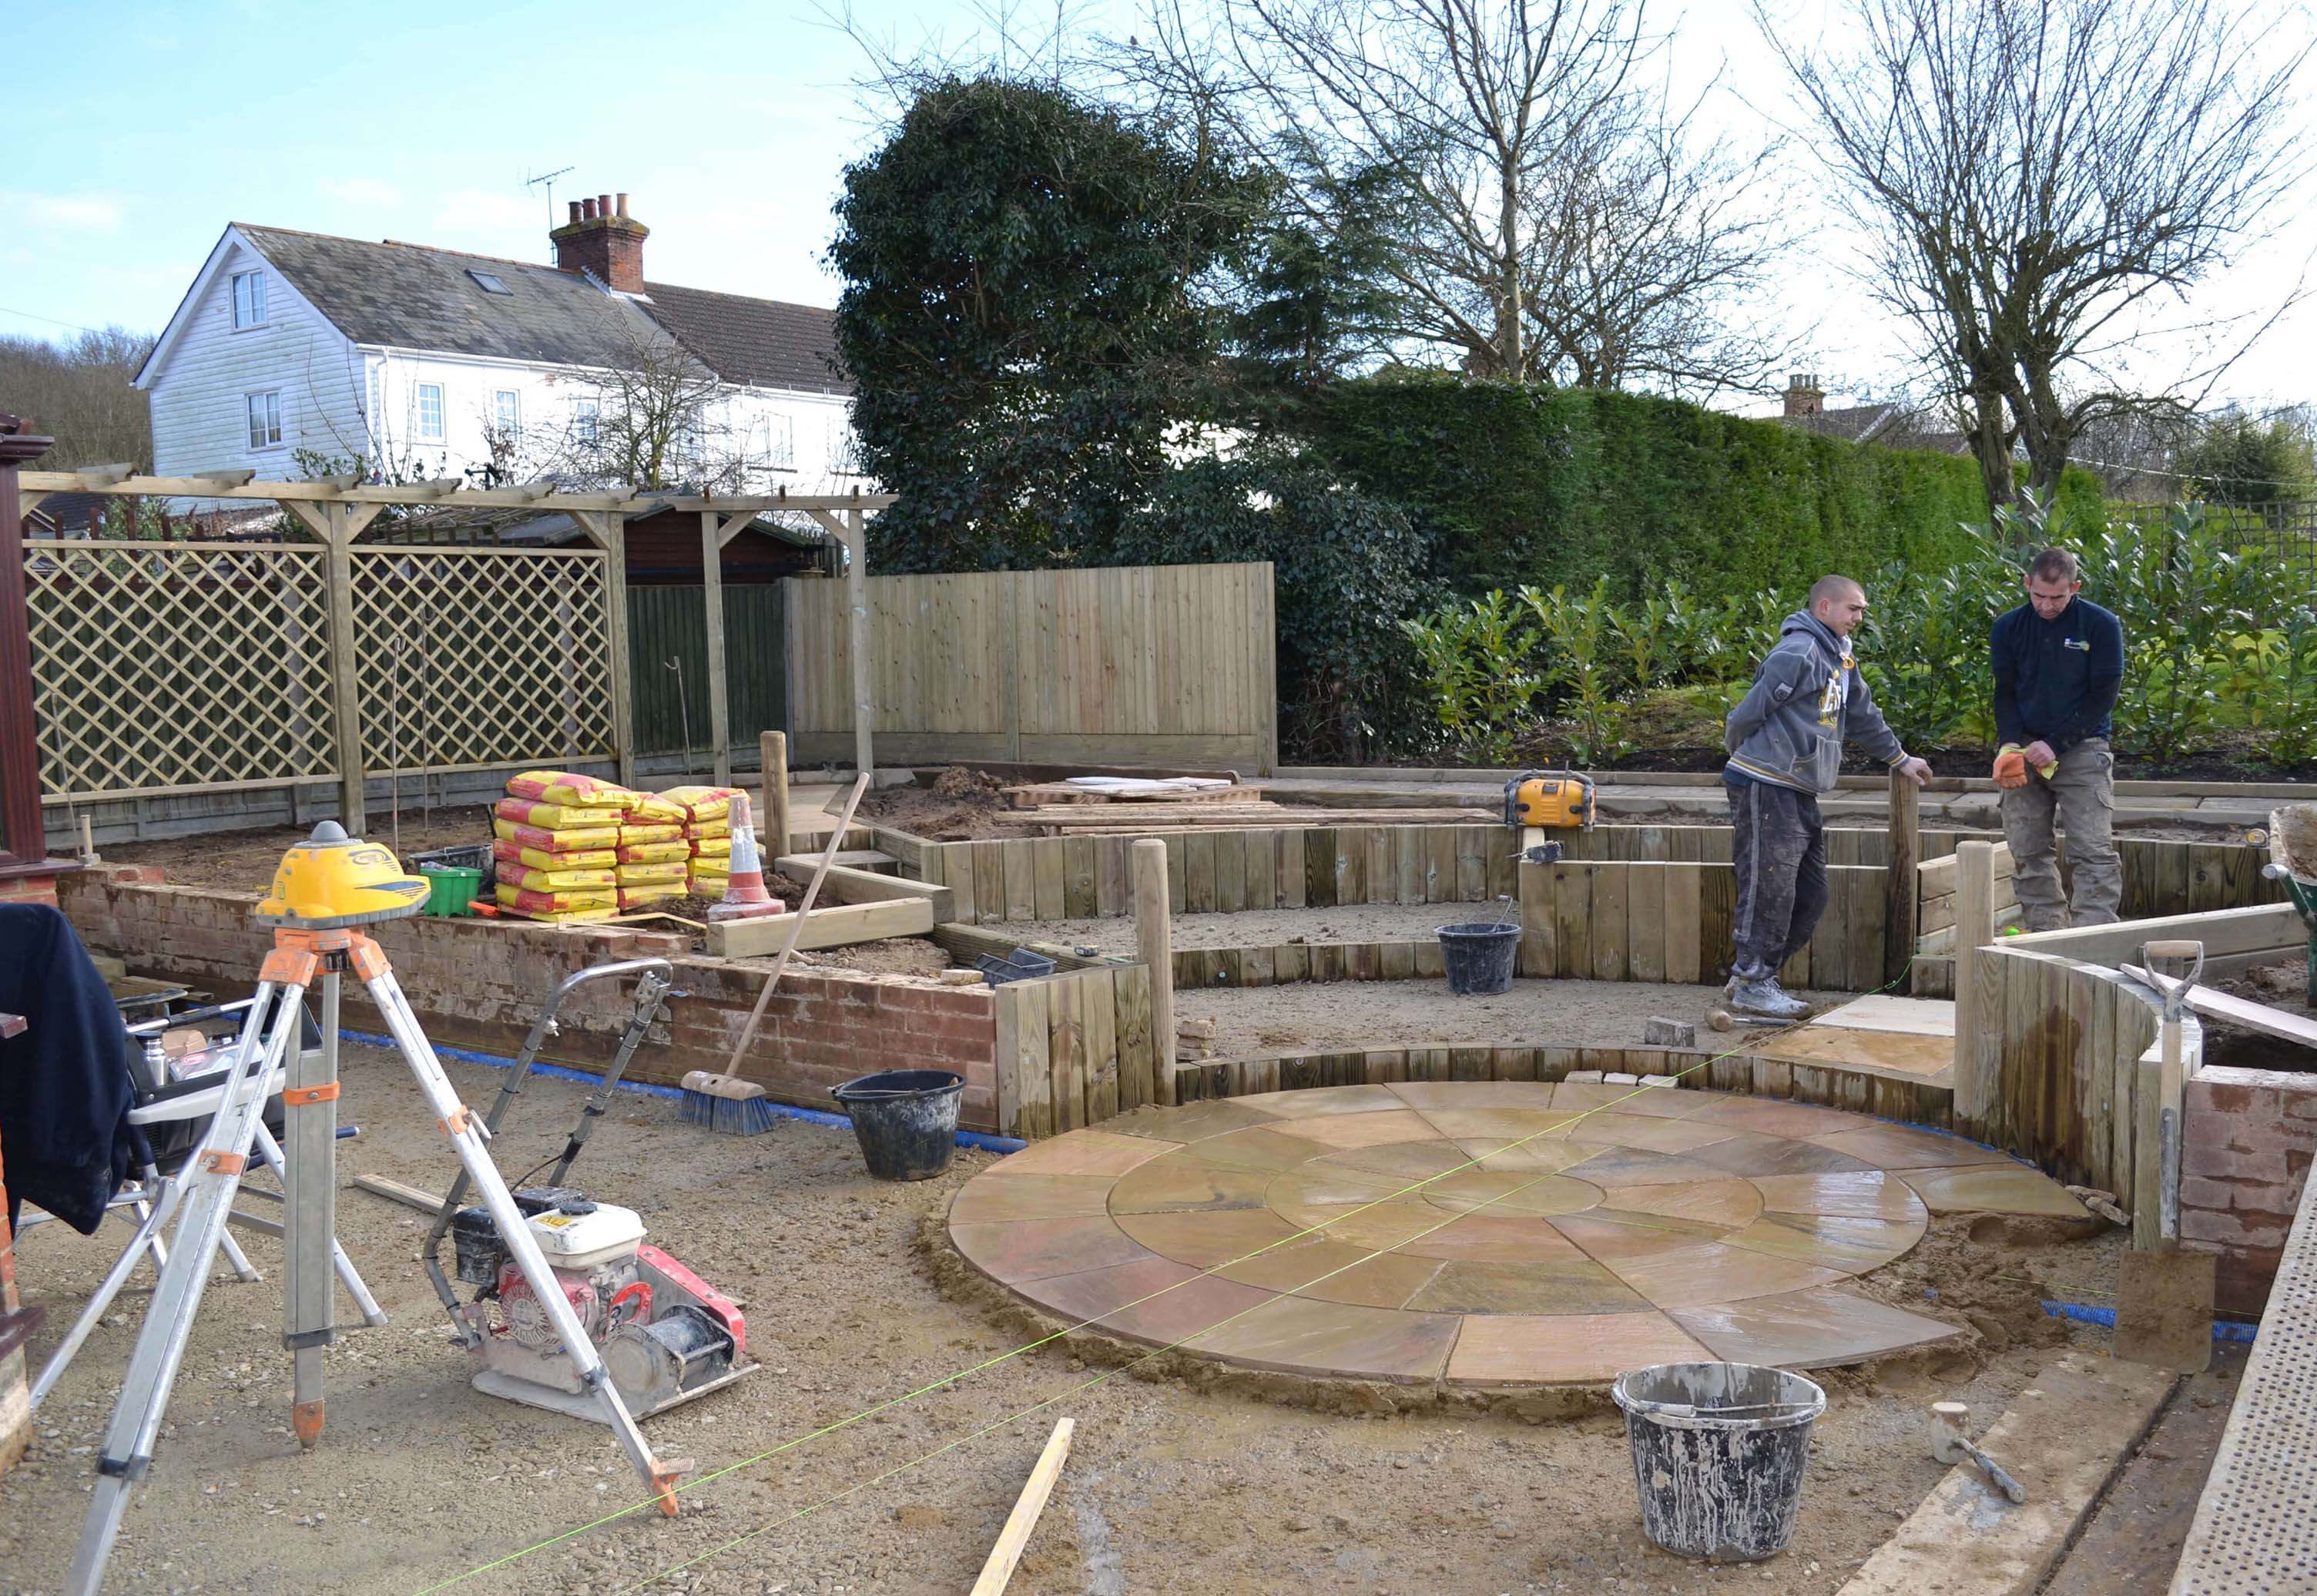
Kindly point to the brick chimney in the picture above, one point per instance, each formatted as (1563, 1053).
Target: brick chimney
(1804, 397)
(603, 239)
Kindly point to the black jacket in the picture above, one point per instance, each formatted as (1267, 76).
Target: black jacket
(2056, 680)
(64, 1082)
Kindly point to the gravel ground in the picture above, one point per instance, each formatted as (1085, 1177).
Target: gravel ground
(1169, 1488)
(1262, 928)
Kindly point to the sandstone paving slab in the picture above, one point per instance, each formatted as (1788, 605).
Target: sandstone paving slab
(2006, 1188)
(1904, 1147)
(1566, 1349)
(1082, 1152)
(1809, 1329)
(1296, 1334)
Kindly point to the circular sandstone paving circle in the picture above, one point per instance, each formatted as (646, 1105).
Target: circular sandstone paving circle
(1483, 1233)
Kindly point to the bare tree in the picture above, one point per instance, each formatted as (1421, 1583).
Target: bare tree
(652, 418)
(1546, 216)
(77, 390)
(2035, 174)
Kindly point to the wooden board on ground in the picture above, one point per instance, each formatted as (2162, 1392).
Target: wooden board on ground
(2063, 1438)
(2239, 1011)
(1924, 1060)
(998, 1572)
(430, 1202)
(1034, 793)
(1091, 817)
(836, 927)
(1905, 1017)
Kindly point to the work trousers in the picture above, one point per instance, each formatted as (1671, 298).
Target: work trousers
(1778, 846)
(2080, 797)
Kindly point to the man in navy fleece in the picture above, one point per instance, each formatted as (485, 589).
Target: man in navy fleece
(2059, 660)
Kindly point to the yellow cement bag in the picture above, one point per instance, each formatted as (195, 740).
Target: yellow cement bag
(654, 853)
(719, 848)
(567, 916)
(560, 879)
(634, 898)
(579, 792)
(571, 840)
(700, 829)
(514, 857)
(650, 875)
(557, 817)
(526, 901)
(650, 808)
(708, 883)
(633, 835)
(703, 803)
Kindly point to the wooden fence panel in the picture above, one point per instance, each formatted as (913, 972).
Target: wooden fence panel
(1138, 665)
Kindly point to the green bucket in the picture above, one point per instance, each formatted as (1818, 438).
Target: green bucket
(452, 888)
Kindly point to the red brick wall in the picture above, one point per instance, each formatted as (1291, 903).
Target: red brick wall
(478, 983)
(38, 886)
(2247, 1146)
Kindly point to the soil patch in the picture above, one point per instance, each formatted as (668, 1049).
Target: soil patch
(2282, 986)
(1335, 1017)
(1170, 1487)
(1268, 927)
(959, 805)
(245, 861)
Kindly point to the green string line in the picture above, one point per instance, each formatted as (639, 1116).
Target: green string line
(959, 1375)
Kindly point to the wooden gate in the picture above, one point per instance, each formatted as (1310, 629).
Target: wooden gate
(1152, 665)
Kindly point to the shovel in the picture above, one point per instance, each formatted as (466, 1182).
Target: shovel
(2164, 1295)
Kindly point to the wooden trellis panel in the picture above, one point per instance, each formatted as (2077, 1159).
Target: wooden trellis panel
(480, 657)
(177, 667)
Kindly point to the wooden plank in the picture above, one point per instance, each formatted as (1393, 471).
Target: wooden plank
(1869, 909)
(2214, 1004)
(1099, 991)
(997, 1570)
(988, 881)
(1901, 850)
(1683, 916)
(1352, 864)
(1319, 867)
(1078, 875)
(1412, 863)
(1290, 962)
(1471, 863)
(1717, 903)
(1383, 866)
(1231, 873)
(839, 926)
(1504, 862)
(1972, 870)
(1397, 962)
(1440, 864)
(1573, 911)
(1066, 1030)
(1021, 856)
(1033, 1059)
(1645, 920)
(1046, 877)
(1177, 888)
(1292, 878)
(425, 1202)
(1262, 845)
(1538, 958)
(1199, 873)
(1113, 888)
(2222, 932)
(1611, 914)
(1007, 1056)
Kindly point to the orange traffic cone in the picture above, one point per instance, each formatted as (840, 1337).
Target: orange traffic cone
(745, 897)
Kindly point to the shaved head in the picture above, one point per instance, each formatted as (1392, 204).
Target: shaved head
(1831, 587)
(1839, 602)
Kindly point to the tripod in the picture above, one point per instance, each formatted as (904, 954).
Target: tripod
(205, 1196)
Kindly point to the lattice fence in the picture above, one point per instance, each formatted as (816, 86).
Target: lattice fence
(472, 657)
(177, 666)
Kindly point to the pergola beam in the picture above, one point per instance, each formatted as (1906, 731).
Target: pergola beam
(101, 480)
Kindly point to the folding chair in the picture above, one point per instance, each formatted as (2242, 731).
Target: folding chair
(173, 1097)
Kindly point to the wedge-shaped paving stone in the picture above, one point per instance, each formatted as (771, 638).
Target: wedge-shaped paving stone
(1510, 1191)
(1082, 1152)
(1769, 1117)
(1711, 1272)
(1497, 1238)
(1207, 1239)
(1306, 1262)
(1181, 1182)
(1865, 1193)
(1509, 1124)
(1615, 1166)
(1260, 1147)
(1323, 1099)
(1018, 1249)
(1341, 1132)
(1149, 1307)
(1566, 1349)
(1473, 1094)
(1576, 1287)
(1854, 1246)
(1384, 1225)
(1192, 1122)
(1904, 1147)
(1613, 1129)
(1301, 1335)
(1031, 1196)
(1750, 1153)
(1993, 1188)
(1545, 1156)
(1409, 1160)
(1721, 1204)
(1811, 1329)
(1383, 1280)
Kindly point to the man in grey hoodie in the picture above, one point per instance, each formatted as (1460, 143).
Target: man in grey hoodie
(1786, 741)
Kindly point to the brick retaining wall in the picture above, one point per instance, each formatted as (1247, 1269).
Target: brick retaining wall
(478, 983)
(2250, 1138)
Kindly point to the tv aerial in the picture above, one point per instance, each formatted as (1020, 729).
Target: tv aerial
(546, 180)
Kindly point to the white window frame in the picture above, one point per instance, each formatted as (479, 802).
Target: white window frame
(506, 414)
(247, 293)
(779, 440)
(418, 391)
(262, 414)
(586, 421)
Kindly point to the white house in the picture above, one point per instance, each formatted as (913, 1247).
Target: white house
(429, 362)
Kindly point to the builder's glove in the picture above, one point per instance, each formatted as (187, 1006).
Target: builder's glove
(2010, 765)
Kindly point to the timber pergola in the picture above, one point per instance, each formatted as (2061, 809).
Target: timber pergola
(337, 510)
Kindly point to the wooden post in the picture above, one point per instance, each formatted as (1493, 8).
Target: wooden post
(1974, 928)
(23, 839)
(337, 525)
(1900, 893)
(1154, 942)
(711, 577)
(772, 751)
(607, 532)
(865, 676)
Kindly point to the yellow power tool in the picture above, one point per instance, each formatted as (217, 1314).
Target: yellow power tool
(332, 879)
(1539, 800)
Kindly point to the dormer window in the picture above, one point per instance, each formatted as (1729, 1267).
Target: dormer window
(488, 283)
(248, 300)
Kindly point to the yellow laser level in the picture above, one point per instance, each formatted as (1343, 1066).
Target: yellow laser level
(1535, 800)
(332, 879)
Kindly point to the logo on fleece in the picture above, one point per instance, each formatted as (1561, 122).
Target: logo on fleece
(1836, 693)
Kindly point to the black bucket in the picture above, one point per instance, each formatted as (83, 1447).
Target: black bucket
(906, 1120)
(1479, 958)
(1718, 1455)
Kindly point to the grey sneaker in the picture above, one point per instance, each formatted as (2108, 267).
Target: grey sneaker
(1767, 998)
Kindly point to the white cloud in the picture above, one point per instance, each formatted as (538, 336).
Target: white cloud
(76, 213)
(364, 191)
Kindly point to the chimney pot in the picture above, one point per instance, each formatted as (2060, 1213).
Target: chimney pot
(604, 242)
(575, 210)
(623, 206)
(602, 204)
(587, 209)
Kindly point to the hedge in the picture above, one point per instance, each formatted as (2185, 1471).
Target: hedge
(1516, 483)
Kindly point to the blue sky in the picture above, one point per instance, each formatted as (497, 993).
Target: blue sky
(152, 125)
